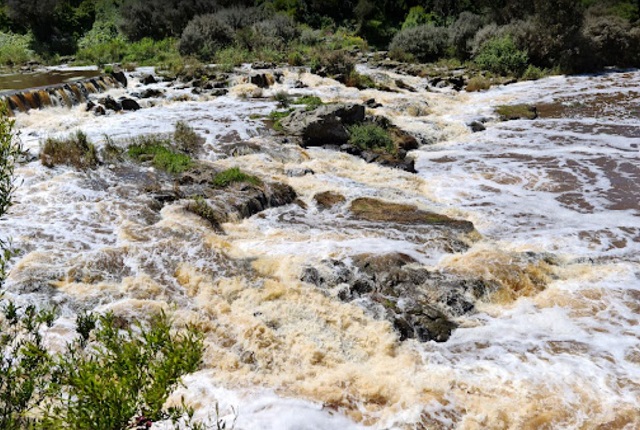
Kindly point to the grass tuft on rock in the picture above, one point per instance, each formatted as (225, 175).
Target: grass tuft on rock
(370, 136)
(519, 111)
(200, 207)
(158, 151)
(186, 138)
(310, 102)
(233, 175)
(75, 150)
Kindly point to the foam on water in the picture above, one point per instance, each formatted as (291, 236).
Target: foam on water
(562, 350)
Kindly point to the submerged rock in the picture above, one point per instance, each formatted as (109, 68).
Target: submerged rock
(129, 104)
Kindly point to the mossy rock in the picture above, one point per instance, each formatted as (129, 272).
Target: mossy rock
(519, 111)
(328, 199)
(369, 209)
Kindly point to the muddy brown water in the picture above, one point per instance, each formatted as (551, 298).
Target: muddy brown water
(22, 81)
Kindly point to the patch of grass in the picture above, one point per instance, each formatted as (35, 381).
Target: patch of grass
(478, 83)
(533, 73)
(145, 52)
(359, 81)
(158, 151)
(277, 115)
(233, 175)
(74, 151)
(519, 111)
(311, 102)
(370, 137)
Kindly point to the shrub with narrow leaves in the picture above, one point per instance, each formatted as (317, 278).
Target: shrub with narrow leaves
(425, 43)
(204, 36)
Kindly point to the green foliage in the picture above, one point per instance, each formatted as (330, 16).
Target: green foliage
(359, 81)
(144, 52)
(369, 136)
(121, 374)
(233, 175)
(14, 49)
(75, 150)
(204, 36)
(425, 43)
(533, 73)
(332, 63)
(25, 366)
(416, 17)
(10, 150)
(311, 102)
(501, 55)
(158, 151)
(518, 111)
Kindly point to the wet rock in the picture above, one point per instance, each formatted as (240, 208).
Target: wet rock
(217, 92)
(421, 304)
(90, 105)
(298, 172)
(261, 80)
(403, 86)
(151, 93)
(109, 103)
(236, 201)
(371, 103)
(120, 77)
(328, 199)
(476, 126)
(374, 210)
(148, 80)
(326, 125)
(129, 104)
(99, 111)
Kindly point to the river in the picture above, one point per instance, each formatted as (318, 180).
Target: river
(281, 353)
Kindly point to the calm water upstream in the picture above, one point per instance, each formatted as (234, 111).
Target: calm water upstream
(289, 356)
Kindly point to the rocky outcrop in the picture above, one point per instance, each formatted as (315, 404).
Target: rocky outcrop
(233, 202)
(421, 304)
(370, 209)
(326, 125)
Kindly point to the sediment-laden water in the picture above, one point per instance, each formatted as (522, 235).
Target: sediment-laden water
(558, 346)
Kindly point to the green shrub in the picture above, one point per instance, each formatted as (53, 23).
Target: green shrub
(359, 81)
(238, 17)
(122, 374)
(278, 30)
(283, 98)
(478, 83)
(158, 151)
(14, 49)
(533, 73)
(370, 136)
(462, 32)
(610, 38)
(204, 36)
(186, 139)
(233, 175)
(333, 63)
(500, 55)
(425, 43)
(311, 102)
(416, 17)
(74, 151)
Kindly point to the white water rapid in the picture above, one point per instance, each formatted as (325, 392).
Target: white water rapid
(284, 354)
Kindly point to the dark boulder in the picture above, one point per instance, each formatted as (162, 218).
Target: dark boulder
(148, 80)
(326, 125)
(120, 77)
(109, 103)
(129, 104)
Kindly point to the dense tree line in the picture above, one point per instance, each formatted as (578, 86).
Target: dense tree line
(569, 34)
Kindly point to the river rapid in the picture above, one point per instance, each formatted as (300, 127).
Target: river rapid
(284, 354)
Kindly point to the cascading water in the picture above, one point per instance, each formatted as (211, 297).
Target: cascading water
(557, 347)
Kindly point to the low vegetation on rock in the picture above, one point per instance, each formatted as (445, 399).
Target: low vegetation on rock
(234, 175)
(159, 153)
(75, 150)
